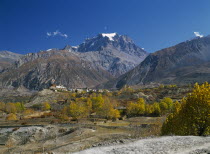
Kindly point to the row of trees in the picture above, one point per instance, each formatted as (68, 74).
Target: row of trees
(104, 108)
(84, 107)
(19, 107)
(193, 116)
(156, 109)
(12, 107)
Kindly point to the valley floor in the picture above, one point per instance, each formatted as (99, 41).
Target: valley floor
(138, 135)
(73, 137)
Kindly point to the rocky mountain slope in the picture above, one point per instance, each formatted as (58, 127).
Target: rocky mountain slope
(35, 71)
(112, 52)
(7, 58)
(184, 63)
(95, 61)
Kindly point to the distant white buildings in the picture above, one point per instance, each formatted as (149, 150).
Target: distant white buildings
(80, 90)
(58, 88)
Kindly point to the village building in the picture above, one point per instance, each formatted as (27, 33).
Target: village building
(58, 88)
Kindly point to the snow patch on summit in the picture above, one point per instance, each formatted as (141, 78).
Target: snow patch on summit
(75, 47)
(49, 49)
(109, 35)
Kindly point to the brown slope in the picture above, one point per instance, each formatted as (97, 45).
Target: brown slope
(187, 62)
(65, 67)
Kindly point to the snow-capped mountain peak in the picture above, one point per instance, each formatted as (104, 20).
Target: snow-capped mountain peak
(113, 52)
(109, 35)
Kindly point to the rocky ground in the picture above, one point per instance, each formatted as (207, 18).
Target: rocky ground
(68, 138)
(57, 138)
(160, 145)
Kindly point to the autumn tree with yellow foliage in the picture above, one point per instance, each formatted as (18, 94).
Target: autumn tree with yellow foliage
(149, 109)
(46, 106)
(2, 106)
(97, 103)
(157, 110)
(137, 108)
(193, 116)
(78, 110)
(10, 108)
(11, 116)
(107, 111)
(20, 107)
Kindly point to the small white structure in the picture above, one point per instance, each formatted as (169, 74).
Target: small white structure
(58, 88)
(79, 90)
(61, 87)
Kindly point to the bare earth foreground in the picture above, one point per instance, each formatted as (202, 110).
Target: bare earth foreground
(161, 145)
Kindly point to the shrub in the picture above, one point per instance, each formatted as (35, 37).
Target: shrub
(28, 111)
(46, 106)
(11, 116)
(10, 108)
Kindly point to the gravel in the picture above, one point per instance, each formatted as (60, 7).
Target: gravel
(161, 145)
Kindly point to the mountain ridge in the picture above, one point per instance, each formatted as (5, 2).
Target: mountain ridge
(67, 70)
(7, 59)
(179, 64)
(72, 67)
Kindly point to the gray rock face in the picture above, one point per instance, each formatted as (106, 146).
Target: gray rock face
(116, 53)
(7, 58)
(185, 63)
(36, 71)
(11, 56)
(93, 62)
(25, 135)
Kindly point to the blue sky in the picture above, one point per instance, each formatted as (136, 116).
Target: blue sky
(152, 24)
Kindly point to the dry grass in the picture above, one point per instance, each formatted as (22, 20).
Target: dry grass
(87, 133)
